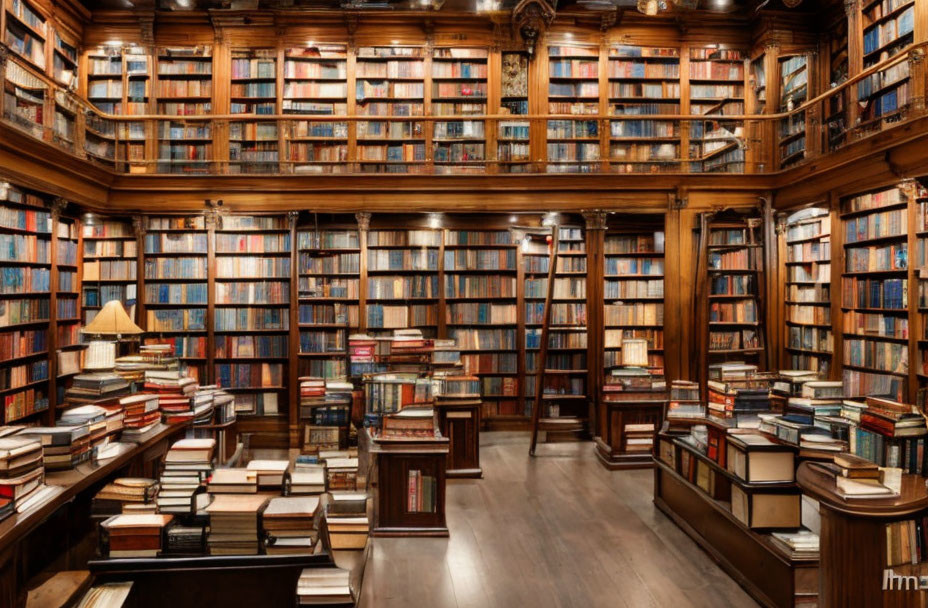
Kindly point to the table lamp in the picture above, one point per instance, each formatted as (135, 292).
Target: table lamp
(112, 321)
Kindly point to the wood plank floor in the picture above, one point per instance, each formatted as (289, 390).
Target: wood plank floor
(554, 531)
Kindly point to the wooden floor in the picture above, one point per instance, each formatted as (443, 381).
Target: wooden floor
(556, 530)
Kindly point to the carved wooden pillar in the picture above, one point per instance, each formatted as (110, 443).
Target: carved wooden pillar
(293, 345)
(364, 224)
(595, 238)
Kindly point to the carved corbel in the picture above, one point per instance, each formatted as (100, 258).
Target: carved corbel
(596, 219)
(147, 29)
(530, 19)
(851, 7)
(292, 217)
(139, 228)
(364, 220)
(58, 206)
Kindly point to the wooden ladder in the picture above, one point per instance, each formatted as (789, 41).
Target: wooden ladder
(566, 424)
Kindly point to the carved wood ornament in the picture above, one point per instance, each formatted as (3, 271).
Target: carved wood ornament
(530, 19)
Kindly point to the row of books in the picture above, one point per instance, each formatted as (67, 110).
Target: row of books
(263, 292)
(874, 293)
(810, 338)
(238, 267)
(251, 319)
(24, 248)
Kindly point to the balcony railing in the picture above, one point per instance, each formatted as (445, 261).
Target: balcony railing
(480, 144)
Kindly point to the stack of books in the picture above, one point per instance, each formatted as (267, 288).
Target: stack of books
(223, 408)
(175, 392)
(290, 525)
(134, 534)
(346, 520)
(233, 481)
(341, 471)
(93, 416)
(324, 586)
(203, 401)
(93, 387)
(65, 447)
(312, 395)
(790, 381)
(126, 495)
(857, 477)
(187, 465)
(801, 544)
(106, 595)
(233, 524)
(818, 398)
(142, 415)
(186, 540)
(446, 355)
(685, 401)
(307, 478)
(362, 350)
(449, 386)
(270, 473)
(21, 471)
(151, 357)
(413, 422)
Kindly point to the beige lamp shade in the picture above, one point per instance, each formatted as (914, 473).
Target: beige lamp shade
(112, 320)
(635, 353)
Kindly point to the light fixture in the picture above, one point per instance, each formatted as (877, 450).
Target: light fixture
(550, 219)
(434, 220)
(113, 43)
(310, 43)
(111, 322)
(89, 219)
(394, 42)
(513, 219)
(525, 243)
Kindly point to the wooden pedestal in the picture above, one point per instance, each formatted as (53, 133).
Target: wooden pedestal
(636, 407)
(395, 463)
(853, 544)
(459, 421)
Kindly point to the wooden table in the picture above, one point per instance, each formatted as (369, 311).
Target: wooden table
(51, 532)
(459, 421)
(635, 407)
(853, 541)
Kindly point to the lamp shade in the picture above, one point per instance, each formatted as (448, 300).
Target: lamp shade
(635, 353)
(112, 320)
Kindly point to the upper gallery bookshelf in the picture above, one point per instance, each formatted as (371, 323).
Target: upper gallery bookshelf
(329, 295)
(26, 263)
(716, 82)
(253, 147)
(175, 292)
(513, 153)
(184, 81)
(481, 312)
(837, 105)
(876, 299)
(459, 89)
(65, 121)
(252, 311)
(573, 88)
(920, 271)
(26, 31)
(390, 82)
(735, 280)
(794, 91)
(64, 62)
(888, 28)
(119, 80)
(633, 291)
(644, 81)
(24, 98)
(316, 83)
(253, 88)
(809, 336)
(110, 266)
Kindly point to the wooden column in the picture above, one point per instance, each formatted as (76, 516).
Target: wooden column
(491, 128)
(293, 341)
(855, 58)
(676, 305)
(777, 277)
(138, 225)
(4, 58)
(538, 104)
(595, 339)
(910, 189)
(773, 313)
(211, 219)
(837, 285)
(57, 207)
(364, 226)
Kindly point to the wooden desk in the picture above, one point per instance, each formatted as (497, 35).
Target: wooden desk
(390, 462)
(55, 528)
(459, 421)
(853, 542)
(636, 407)
(198, 582)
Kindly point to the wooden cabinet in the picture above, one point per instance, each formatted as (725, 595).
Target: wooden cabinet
(459, 421)
(408, 485)
(628, 429)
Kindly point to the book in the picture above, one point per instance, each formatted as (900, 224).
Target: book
(233, 481)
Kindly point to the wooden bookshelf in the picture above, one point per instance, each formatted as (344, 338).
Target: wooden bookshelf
(875, 301)
(26, 231)
(633, 294)
(251, 318)
(184, 81)
(735, 290)
(119, 79)
(316, 83)
(184, 146)
(110, 266)
(100, 140)
(459, 89)
(836, 107)
(66, 296)
(412, 258)
(27, 31)
(717, 89)
(573, 88)
(254, 147)
(809, 335)
(64, 130)
(759, 83)
(920, 266)
(64, 61)
(25, 98)
(390, 82)
(253, 86)
(513, 139)
(643, 81)
(174, 288)
(888, 28)
(329, 296)
(794, 91)
(481, 313)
